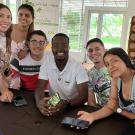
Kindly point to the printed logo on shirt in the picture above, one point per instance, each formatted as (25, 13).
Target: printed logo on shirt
(29, 68)
(102, 87)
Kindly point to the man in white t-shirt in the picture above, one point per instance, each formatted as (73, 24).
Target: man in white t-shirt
(66, 77)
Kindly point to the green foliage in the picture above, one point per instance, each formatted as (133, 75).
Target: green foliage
(30, 2)
(72, 21)
(111, 28)
(112, 25)
(111, 40)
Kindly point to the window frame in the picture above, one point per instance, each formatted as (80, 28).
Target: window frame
(103, 10)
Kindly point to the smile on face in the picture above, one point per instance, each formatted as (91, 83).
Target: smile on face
(95, 52)
(25, 17)
(37, 44)
(116, 67)
(60, 48)
(5, 19)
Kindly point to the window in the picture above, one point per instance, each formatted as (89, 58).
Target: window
(13, 8)
(105, 23)
(72, 20)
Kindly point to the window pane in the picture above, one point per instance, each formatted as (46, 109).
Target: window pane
(12, 6)
(93, 25)
(111, 30)
(104, 3)
(71, 21)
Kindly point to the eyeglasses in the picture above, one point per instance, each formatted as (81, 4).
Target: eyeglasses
(35, 42)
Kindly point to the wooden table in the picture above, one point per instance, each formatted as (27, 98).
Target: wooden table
(27, 120)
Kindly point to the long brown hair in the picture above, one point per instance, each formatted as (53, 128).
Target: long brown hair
(8, 32)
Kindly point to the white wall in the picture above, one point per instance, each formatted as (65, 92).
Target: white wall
(131, 8)
(79, 56)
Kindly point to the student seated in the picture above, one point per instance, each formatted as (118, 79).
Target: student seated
(5, 48)
(66, 77)
(99, 79)
(20, 31)
(28, 68)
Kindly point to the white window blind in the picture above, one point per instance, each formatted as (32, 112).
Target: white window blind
(72, 13)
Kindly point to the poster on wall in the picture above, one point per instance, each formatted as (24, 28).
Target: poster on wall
(46, 15)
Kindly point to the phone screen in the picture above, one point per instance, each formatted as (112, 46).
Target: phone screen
(19, 101)
(79, 124)
(82, 124)
(68, 121)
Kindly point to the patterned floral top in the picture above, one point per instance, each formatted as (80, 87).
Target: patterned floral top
(4, 54)
(100, 83)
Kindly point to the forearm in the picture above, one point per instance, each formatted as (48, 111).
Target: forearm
(39, 93)
(3, 90)
(107, 110)
(102, 113)
(3, 86)
(82, 96)
(91, 99)
(128, 114)
(92, 104)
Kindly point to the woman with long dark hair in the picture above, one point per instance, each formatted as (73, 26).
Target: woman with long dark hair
(20, 31)
(122, 97)
(5, 47)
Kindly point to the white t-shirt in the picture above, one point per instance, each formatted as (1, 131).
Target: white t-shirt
(64, 82)
(28, 70)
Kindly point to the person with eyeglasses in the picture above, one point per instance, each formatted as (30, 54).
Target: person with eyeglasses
(28, 68)
(66, 77)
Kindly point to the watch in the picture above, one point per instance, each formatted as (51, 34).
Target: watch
(119, 110)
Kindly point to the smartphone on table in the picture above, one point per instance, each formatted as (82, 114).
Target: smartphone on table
(19, 101)
(77, 123)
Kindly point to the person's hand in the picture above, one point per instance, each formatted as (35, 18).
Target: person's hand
(9, 77)
(85, 116)
(43, 106)
(6, 96)
(22, 53)
(1, 73)
(60, 106)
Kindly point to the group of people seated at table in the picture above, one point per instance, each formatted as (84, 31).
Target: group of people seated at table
(109, 85)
